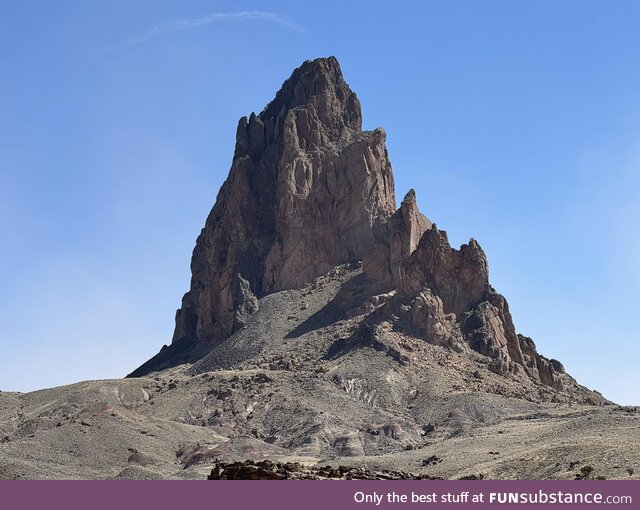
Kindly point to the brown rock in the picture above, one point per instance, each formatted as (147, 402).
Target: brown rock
(485, 331)
(304, 192)
(268, 470)
(396, 239)
(539, 367)
(430, 321)
(459, 277)
(246, 302)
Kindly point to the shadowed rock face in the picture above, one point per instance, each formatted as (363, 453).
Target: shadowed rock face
(305, 190)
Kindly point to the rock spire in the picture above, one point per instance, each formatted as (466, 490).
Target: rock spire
(305, 191)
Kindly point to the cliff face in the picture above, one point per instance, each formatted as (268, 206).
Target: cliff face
(309, 190)
(306, 188)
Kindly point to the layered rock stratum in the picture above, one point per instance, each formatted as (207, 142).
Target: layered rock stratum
(326, 333)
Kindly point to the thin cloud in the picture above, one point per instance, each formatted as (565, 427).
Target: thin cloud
(185, 24)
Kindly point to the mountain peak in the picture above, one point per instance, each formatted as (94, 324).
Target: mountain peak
(305, 192)
(313, 108)
(308, 191)
(318, 82)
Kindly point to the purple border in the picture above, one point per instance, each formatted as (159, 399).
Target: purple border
(296, 495)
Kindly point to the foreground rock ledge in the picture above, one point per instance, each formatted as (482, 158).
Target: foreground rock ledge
(267, 470)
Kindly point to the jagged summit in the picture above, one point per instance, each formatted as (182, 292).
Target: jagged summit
(304, 192)
(319, 82)
(308, 190)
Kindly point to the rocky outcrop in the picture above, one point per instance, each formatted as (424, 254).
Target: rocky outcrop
(395, 240)
(447, 294)
(309, 190)
(246, 303)
(548, 371)
(488, 329)
(486, 332)
(459, 277)
(430, 322)
(452, 295)
(268, 470)
(305, 191)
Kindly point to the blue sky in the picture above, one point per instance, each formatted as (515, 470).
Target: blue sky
(518, 124)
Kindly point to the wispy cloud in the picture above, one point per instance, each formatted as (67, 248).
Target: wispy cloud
(185, 24)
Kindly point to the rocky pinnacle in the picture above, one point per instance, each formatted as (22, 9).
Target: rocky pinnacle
(309, 190)
(306, 188)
